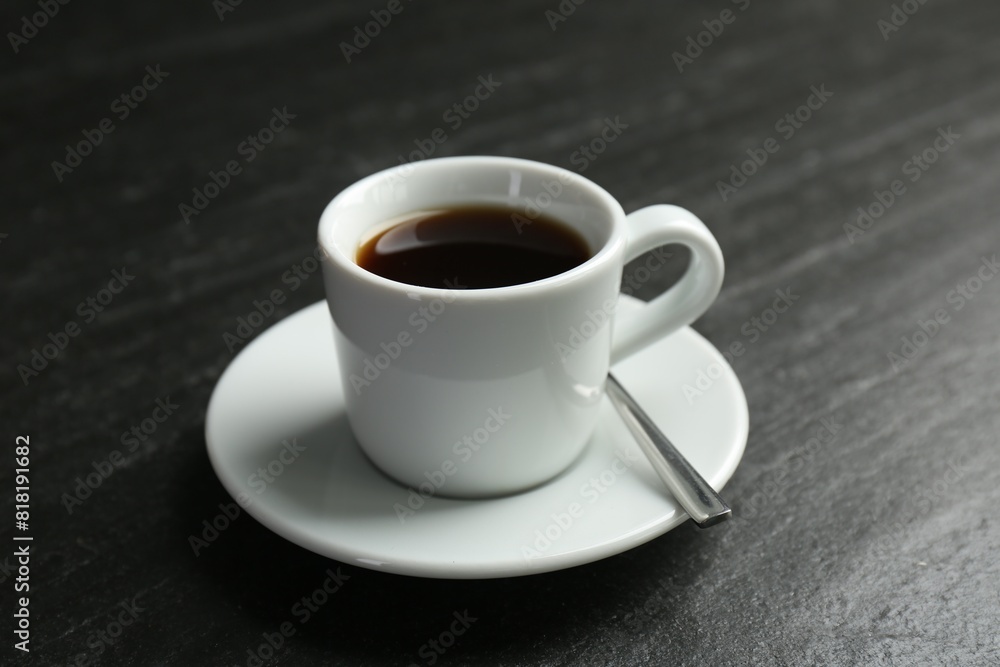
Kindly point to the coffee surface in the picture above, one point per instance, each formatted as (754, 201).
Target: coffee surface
(473, 247)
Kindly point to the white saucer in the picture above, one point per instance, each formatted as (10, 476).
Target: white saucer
(331, 499)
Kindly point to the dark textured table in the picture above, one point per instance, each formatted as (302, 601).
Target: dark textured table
(844, 154)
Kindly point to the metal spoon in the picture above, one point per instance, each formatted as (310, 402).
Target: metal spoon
(698, 499)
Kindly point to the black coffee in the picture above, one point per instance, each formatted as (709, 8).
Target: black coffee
(473, 247)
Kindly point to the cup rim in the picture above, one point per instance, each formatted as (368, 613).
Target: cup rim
(616, 237)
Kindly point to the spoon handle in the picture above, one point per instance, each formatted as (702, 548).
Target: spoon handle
(694, 494)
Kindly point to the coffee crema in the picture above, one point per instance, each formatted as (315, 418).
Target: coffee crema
(473, 247)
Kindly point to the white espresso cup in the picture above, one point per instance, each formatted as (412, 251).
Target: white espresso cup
(485, 392)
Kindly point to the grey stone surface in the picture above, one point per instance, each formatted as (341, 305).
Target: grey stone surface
(878, 546)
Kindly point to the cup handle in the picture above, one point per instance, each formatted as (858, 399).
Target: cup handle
(684, 302)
